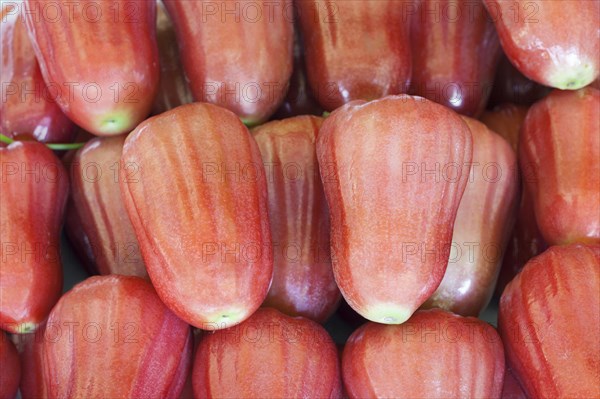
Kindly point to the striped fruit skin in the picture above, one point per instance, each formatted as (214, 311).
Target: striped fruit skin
(455, 54)
(103, 62)
(549, 320)
(303, 282)
(270, 355)
(485, 218)
(123, 342)
(391, 216)
(173, 89)
(196, 195)
(251, 53)
(435, 354)
(34, 187)
(548, 41)
(97, 202)
(10, 366)
(27, 106)
(559, 155)
(355, 50)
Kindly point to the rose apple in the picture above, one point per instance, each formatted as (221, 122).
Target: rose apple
(10, 368)
(355, 50)
(435, 354)
(560, 161)
(34, 188)
(270, 355)
(237, 55)
(303, 282)
(96, 197)
(455, 52)
(100, 57)
(549, 319)
(483, 223)
(394, 171)
(510, 86)
(552, 43)
(112, 337)
(506, 120)
(197, 198)
(27, 106)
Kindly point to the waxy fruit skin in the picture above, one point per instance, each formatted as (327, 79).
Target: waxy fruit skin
(237, 55)
(303, 282)
(173, 89)
(27, 105)
(97, 202)
(455, 54)
(394, 171)
(549, 42)
(103, 66)
(136, 347)
(484, 220)
(559, 155)
(10, 368)
(355, 50)
(32, 384)
(270, 355)
(549, 320)
(34, 187)
(198, 205)
(435, 354)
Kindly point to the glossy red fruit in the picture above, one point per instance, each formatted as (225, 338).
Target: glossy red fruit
(510, 86)
(99, 209)
(455, 52)
(10, 368)
(560, 162)
(112, 337)
(100, 58)
(196, 195)
(355, 50)
(506, 120)
(435, 354)
(236, 55)
(549, 320)
(32, 384)
(27, 106)
(299, 99)
(483, 223)
(34, 188)
(394, 171)
(173, 89)
(270, 355)
(549, 42)
(303, 282)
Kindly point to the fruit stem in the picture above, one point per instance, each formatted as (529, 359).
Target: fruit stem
(52, 146)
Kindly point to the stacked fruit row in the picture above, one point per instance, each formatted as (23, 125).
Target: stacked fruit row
(404, 205)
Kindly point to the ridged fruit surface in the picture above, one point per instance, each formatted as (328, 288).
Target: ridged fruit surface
(549, 42)
(197, 198)
(483, 223)
(559, 154)
(549, 319)
(455, 52)
(435, 354)
(270, 355)
(237, 55)
(173, 89)
(101, 59)
(10, 368)
(27, 105)
(394, 171)
(303, 282)
(96, 197)
(112, 337)
(355, 50)
(34, 188)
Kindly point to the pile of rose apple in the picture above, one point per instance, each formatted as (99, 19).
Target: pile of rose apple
(400, 201)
